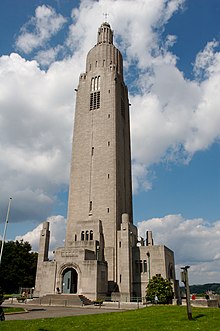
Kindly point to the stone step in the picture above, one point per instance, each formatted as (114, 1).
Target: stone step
(62, 300)
(85, 300)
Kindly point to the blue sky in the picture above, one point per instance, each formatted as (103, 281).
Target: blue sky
(172, 73)
(191, 190)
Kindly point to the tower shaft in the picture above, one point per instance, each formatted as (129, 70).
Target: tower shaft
(100, 180)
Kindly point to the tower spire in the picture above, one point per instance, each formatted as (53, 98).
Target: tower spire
(105, 34)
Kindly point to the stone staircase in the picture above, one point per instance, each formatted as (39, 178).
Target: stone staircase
(61, 300)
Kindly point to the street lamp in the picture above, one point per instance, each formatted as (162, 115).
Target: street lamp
(185, 280)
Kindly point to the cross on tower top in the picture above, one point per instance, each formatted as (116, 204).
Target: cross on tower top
(106, 16)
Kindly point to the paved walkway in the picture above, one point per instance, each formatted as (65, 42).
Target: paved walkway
(34, 312)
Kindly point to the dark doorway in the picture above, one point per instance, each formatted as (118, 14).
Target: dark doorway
(70, 279)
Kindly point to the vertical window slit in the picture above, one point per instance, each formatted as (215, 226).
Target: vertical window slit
(91, 101)
(98, 100)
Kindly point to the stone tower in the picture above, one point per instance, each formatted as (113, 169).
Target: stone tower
(101, 256)
(100, 180)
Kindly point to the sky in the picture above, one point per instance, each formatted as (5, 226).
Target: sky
(172, 69)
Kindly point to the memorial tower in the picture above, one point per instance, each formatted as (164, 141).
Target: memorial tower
(101, 256)
(100, 180)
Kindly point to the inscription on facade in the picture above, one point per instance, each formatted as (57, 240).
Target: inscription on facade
(69, 254)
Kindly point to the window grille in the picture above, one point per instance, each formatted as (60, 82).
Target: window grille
(95, 100)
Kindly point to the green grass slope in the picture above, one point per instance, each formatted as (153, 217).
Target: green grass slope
(156, 318)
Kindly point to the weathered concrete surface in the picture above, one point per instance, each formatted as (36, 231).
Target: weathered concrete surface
(35, 312)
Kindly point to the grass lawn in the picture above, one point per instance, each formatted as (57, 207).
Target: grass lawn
(13, 310)
(159, 318)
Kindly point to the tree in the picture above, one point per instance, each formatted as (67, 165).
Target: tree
(18, 266)
(1, 297)
(160, 287)
(202, 289)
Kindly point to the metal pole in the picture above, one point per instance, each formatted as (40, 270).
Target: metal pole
(186, 282)
(5, 228)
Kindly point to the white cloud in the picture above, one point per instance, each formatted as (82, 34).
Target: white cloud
(174, 117)
(136, 38)
(37, 105)
(39, 29)
(35, 133)
(171, 117)
(206, 60)
(194, 242)
(57, 234)
(47, 57)
(141, 177)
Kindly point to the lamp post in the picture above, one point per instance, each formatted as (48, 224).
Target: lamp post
(4, 234)
(185, 280)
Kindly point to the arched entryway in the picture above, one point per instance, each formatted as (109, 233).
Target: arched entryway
(69, 281)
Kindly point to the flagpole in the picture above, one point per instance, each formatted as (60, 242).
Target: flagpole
(6, 223)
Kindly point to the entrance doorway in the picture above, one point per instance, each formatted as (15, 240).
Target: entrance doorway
(70, 279)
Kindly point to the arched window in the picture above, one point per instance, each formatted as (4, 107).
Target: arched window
(92, 84)
(87, 235)
(91, 235)
(95, 93)
(95, 84)
(82, 235)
